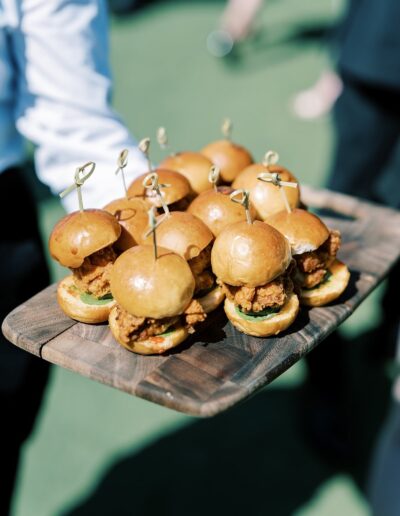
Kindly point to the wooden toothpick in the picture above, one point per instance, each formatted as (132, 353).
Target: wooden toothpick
(150, 182)
(122, 161)
(79, 179)
(226, 128)
(213, 176)
(243, 200)
(275, 179)
(153, 226)
(144, 146)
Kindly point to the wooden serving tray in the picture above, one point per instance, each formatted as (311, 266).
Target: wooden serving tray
(218, 366)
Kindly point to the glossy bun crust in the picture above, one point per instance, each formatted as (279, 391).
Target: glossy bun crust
(230, 157)
(81, 234)
(217, 211)
(266, 197)
(304, 230)
(146, 287)
(132, 214)
(194, 166)
(183, 233)
(250, 254)
(178, 188)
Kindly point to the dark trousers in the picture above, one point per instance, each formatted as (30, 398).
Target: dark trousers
(366, 164)
(23, 272)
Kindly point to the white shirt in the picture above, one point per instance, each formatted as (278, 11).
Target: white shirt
(55, 91)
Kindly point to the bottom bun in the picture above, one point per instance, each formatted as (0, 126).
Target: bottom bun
(69, 299)
(330, 289)
(153, 345)
(264, 327)
(212, 300)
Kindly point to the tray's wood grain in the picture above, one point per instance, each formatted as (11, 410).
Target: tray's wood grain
(217, 367)
(46, 320)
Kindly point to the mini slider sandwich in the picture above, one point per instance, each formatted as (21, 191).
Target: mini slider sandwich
(215, 208)
(253, 264)
(265, 197)
(228, 156)
(189, 237)
(153, 288)
(83, 241)
(319, 277)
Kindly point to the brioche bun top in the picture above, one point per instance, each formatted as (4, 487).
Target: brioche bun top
(81, 234)
(216, 209)
(178, 188)
(194, 166)
(182, 233)
(146, 287)
(250, 255)
(304, 230)
(132, 214)
(229, 157)
(266, 197)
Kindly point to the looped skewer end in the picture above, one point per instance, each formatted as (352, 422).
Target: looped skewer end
(271, 158)
(79, 178)
(122, 162)
(213, 176)
(150, 182)
(243, 200)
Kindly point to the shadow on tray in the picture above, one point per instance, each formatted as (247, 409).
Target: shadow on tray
(253, 459)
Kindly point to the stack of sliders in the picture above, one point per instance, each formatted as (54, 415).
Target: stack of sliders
(319, 276)
(189, 237)
(253, 264)
(83, 241)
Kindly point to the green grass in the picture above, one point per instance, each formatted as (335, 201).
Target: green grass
(252, 460)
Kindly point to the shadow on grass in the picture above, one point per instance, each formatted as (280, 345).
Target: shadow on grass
(251, 460)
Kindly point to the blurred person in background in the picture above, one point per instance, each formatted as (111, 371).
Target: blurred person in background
(54, 91)
(366, 164)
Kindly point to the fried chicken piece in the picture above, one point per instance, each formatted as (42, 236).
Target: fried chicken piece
(313, 266)
(132, 328)
(202, 261)
(93, 276)
(204, 281)
(256, 299)
(204, 278)
(323, 257)
(311, 279)
(194, 314)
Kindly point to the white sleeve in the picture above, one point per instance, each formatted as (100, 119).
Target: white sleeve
(63, 107)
